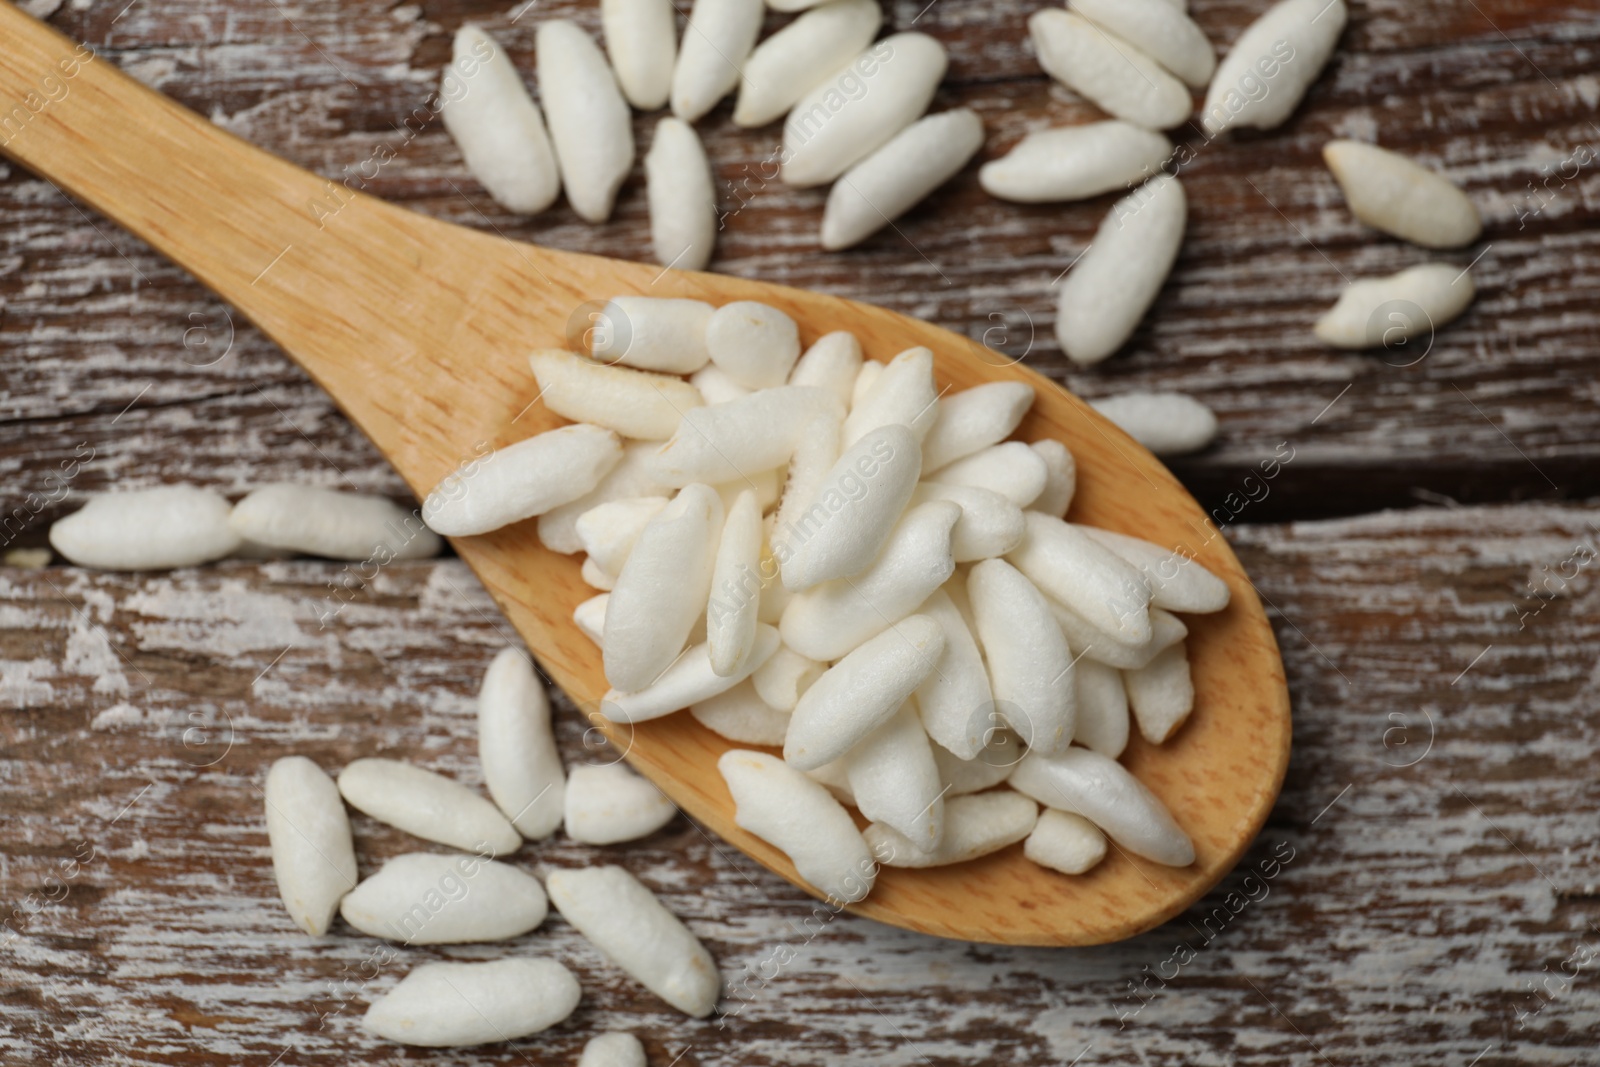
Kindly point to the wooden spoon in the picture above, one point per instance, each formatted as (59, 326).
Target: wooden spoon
(419, 330)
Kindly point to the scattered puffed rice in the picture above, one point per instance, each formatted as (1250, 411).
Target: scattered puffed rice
(425, 898)
(439, 1005)
(682, 197)
(802, 55)
(589, 120)
(496, 124)
(719, 37)
(427, 805)
(1114, 282)
(313, 856)
(612, 1050)
(1107, 70)
(635, 931)
(28, 559)
(1389, 192)
(323, 522)
(1166, 35)
(1075, 162)
(1168, 424)
(1272, 64)
(641, 41)
(147, 529)
(837, 124)
(897, 176)
(521, 765)
(1392, 310)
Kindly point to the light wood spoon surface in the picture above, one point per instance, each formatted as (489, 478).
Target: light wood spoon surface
(420, 330)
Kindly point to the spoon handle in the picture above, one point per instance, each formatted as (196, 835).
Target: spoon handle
(366, 296)
(219, 207)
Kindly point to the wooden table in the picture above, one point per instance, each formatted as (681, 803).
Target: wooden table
(1425, 891)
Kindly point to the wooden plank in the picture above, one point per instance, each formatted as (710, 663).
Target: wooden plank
(1430, 863)
(1498, 95)
(1435, 908)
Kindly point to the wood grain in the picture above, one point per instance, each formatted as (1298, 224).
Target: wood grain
(418, 330)
(326, 86)
(1414, 922)
(1435, 842)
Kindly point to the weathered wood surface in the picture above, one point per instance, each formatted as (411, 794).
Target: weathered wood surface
(1500, 95)
(419, 330)
(1435, 840)
(1440, 903)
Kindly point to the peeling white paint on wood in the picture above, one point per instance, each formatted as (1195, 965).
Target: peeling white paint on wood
(92, 316)
(1426, 895)
(1404, 926)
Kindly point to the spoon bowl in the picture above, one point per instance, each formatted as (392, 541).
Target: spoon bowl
(419, 330)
